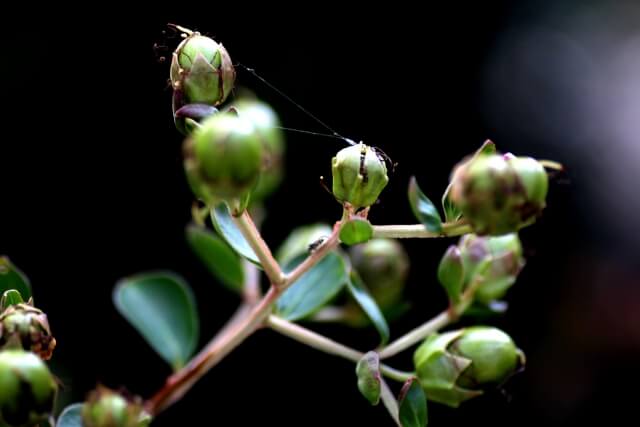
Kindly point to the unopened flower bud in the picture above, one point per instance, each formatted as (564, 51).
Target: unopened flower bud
(223, 158)
(107, 408)
(28, 327)
(459, 365)
(359, 175)
(27, 389)
(383, 265)
(202, 70)
(499, 194)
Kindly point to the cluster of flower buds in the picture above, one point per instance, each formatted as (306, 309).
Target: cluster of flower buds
(359, 175)
(25, 326)
(490, 264)
(499, 194)
(27, 389)
(456, 366)
(108, 408)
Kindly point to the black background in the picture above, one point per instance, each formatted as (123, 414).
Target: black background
(93, 190)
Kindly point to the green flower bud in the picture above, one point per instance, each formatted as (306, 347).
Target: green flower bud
(202, 70)
(505, 261)
(359, 175)
(223, 158)
(383, 265)
(499, 194)
(268, 127)
(107, 408)
(27, 389)
(459, 365)
(301, 241)
(28, 327)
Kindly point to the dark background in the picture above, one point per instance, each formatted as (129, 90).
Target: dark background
(93, 188)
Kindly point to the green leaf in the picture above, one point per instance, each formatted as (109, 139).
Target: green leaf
(368, 372)
(9, 298)
(451, 273)
(412, 404)
(162, 308)
(217, 256)
(356, 230)
(224, 225)
(423, 209)
(360, 293)
(313, 289)
(12, 278)
(71, 416)
(451, 212)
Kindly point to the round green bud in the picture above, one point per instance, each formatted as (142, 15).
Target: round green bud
(202, 70)
(268, 127)
(493, 355)
(107, 408)
(26, 326)
(359, 175)
(499, 194)
(383, 265)
(505, 261)
(223, 158)
(456, 366)
(27, 389)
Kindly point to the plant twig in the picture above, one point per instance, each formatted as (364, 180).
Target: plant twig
(389, 401)
(449, 229)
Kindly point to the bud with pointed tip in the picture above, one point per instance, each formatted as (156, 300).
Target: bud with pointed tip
(456, 366)
(359, 175)
(27, 389)
(202, 71)
(223, 158)
(107, 408)
(26, 326)
(499, 194)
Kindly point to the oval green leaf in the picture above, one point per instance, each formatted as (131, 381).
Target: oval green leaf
(224, 225)
(360, 293)
(451, 273)
(313, 289)
(71, 416)
(217, 256)
(412, 404)
(12, 278)
(423, 209)
(356, 230)
(368, 373)
(161, 307)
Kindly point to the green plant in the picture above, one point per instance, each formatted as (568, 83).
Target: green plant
(233, 152)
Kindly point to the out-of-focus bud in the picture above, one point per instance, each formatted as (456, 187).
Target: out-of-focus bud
(107, 408)
(500, 259)
(202, 70)
(26, 326)
(451, 273)
(301, 241)
(456, 366)
(499, 194)
(383, 265)
(359, 175)
(268, 127)
(223, 158)
(27, 389)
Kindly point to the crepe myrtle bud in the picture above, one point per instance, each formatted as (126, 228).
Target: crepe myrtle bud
(456, 366)
(202, 71)
(359, 175)
(108, 408)
(500, 259)
(223, 158)
(27, 389)
(383, 265)
(268, 127)
(499, 194)
(26, 326)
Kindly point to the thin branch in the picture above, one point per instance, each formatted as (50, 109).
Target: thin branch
(389, 401)
(449, 229)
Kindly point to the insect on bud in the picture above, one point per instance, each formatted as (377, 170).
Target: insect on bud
(359, 175)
